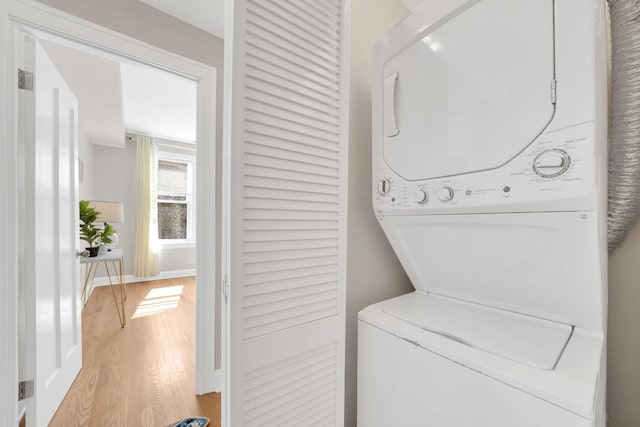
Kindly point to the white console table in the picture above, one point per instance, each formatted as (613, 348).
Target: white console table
(113, 262)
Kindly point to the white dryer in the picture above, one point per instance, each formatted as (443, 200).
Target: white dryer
(489, 167)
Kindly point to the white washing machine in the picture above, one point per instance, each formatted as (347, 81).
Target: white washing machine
(489, 164)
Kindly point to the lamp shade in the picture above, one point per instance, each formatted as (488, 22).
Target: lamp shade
(110, 212)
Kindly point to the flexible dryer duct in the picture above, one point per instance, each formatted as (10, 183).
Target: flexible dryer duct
(624, 149)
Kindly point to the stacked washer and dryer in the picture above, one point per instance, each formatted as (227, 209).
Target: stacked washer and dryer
(489, 164)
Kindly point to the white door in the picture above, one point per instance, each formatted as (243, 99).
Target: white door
(285, 214)
(49, 270)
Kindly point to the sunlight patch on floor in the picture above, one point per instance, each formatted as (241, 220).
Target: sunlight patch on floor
(159, 300)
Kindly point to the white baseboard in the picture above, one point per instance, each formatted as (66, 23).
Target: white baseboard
(217, 384)
(209, 383)
(130, 278)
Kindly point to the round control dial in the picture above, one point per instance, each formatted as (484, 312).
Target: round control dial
(445, 194)
(551, 163)
(422, 197)
(384, 185)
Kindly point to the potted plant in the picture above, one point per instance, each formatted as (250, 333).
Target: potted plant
(88, 231)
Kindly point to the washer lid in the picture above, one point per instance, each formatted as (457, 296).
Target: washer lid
(535, 342)
(472, 93)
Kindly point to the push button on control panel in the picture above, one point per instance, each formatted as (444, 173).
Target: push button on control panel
(445, 194)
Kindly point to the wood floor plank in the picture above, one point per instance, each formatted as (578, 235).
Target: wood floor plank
(142, 374)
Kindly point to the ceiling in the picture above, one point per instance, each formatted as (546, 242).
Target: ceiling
(208, 15)
(158, 103)
(115, 98)
(96, 83)
(411, 4)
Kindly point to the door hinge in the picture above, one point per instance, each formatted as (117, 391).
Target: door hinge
(25, 389)
(225, 288)
(25, 80)
(553, 91)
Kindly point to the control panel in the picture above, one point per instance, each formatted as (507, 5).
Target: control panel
(551, 168)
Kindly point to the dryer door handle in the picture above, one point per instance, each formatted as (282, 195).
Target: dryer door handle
(389, 101)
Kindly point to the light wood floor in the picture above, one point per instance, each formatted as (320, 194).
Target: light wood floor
(142, 375)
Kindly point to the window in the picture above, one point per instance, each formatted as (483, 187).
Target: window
(175, 200)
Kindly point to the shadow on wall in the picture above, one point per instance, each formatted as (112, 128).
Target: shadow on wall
(624, 338)
(373, 271)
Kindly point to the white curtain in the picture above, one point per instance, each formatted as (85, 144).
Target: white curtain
(146, 209)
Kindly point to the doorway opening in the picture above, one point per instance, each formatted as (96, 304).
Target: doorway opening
(48, 27)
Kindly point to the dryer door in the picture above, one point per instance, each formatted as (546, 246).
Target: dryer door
(473, 92)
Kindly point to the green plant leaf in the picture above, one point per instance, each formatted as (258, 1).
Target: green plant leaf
(88, 231)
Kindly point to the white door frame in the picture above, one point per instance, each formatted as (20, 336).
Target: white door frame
(50, 24)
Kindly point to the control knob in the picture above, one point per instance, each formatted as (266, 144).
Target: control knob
(422, 197)
(445, 194)
(384, 185)
(551, 163)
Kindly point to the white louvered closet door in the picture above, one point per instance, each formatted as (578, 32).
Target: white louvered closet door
(286, 118)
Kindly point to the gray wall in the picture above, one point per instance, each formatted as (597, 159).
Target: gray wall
(114, 180)
(373, 271)
(152, 26)
(624, 333)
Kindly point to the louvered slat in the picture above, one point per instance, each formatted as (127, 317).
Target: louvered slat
(306, 54)
(319, 154)
(290, 124)
(271, 393)
(258, 44)
(286, 61)
(292, 39)
(320, 392)
(290, 274)
(272, 204)
(286, 135)
(299, 86)
(278, 162)
(286, 245)
(300, 315)
(285, 308)
(288, 285)
(298, 291)
(302, 14)
(267, 225)
(294, 29)
(290, 114)
(265, 172)
(325, 9)
(278, 63)
(319, 112)
(287, 265)
(319, 414)
(287, 154)
(267, 215)
(265, 381)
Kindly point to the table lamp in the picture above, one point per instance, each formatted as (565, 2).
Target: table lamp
(110, 213)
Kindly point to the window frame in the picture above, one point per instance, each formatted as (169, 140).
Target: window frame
(190, 159)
